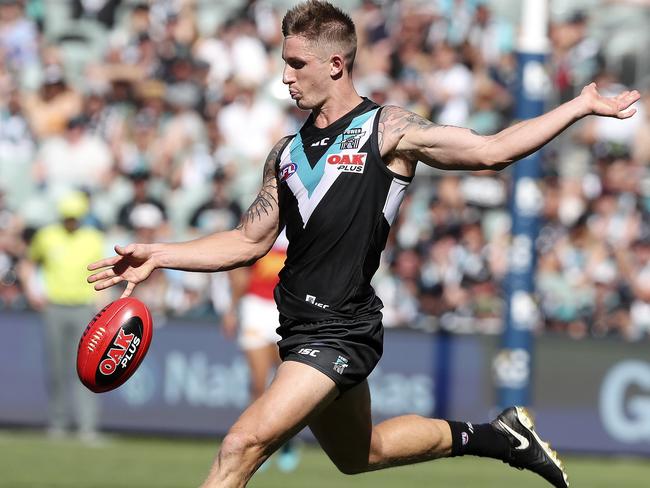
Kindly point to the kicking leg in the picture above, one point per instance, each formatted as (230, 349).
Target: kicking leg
(345, 431)
(297, 393)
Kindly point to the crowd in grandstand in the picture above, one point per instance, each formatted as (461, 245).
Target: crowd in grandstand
(163, 113)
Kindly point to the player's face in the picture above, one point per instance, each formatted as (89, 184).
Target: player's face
(306, 72)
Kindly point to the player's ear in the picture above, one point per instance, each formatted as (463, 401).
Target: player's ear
(337, 65)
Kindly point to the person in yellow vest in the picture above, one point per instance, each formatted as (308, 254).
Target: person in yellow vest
(54, 278)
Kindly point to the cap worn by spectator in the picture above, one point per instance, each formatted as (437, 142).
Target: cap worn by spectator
(577, 17)
(146, 216)
(74, 205)
(140, 174)
(77, 122)
(53, 75)
(219, 175)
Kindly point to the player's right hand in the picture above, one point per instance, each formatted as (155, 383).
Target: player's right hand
(133, 264)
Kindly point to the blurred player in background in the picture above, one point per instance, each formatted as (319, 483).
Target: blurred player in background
(337, 186)
(61, 251)
(253, 317)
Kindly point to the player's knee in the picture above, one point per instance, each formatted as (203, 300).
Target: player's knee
(370, 460)
(241, 445)
(351, 466)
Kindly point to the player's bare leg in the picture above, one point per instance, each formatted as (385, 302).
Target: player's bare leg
(297, 393)
(345, 431)
(261, 362)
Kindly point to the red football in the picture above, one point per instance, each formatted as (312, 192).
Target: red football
(114, 344)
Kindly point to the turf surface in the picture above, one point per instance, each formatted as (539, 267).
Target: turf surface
(30, 460)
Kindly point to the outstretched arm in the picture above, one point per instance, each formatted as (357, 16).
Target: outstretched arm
(408, 137)
(252, 239)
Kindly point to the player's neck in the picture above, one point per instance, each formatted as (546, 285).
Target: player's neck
(336, 106)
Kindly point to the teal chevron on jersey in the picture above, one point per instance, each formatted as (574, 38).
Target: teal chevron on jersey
(311, 177)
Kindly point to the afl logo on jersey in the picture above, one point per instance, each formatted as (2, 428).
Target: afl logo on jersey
(287, 171)
(348, 163)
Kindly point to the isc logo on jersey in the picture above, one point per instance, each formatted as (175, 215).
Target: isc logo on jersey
(348, 163)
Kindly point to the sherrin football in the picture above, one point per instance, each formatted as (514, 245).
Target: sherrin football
(114, 344)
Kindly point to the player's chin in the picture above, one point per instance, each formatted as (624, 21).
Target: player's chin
(303, 104)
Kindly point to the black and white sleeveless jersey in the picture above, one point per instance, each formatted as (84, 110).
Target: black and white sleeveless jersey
(338, 200)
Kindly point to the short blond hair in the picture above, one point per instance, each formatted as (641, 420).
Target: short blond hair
(324, 25)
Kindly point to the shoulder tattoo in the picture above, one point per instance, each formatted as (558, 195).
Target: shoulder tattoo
(267, 199)
(395, 121)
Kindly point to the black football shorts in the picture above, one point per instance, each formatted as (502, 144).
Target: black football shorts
(345, 350)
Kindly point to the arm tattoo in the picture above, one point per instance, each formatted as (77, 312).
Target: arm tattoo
(267, 199)
(395, 121)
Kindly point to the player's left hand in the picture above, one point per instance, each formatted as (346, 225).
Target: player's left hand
(617, 106)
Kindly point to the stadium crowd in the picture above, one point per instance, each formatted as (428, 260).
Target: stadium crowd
(163, 113)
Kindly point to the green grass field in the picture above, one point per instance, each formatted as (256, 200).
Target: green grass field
(29, 460)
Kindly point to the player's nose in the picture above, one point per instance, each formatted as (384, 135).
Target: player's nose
(288, 75)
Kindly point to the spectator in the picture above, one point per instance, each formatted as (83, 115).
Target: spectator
(61, 252)
(219, 212)
(492, 37)
(18, 37)
(141, 196)
(235, 52)
(75, 159)
(17, 148)
(263, 123)
(12, 248)
(577, 56)
(635, 267)
(449, 87)
(55, 103)
(137, 151)
(398, 288)
(103, 11)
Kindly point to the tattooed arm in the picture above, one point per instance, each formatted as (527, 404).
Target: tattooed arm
(252, 239)
(405, 138)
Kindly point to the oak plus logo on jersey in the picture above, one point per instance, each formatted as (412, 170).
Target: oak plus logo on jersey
(348, 163)
(287, 171)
